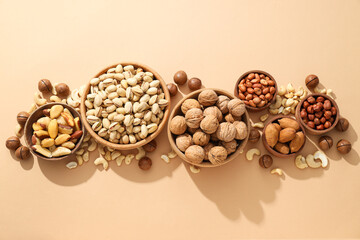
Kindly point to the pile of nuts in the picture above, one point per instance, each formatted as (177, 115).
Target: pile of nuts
(211, 127)
(125, 105)
(318, 113)
(56, 133)
(256, 90)
(284, 135)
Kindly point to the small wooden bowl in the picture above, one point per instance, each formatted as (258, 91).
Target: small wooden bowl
(130, 146)
(38, 113)
(311, 130)
(177, 111)
(273, 151)
(250, 108)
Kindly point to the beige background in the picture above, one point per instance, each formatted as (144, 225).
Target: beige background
(70, 41)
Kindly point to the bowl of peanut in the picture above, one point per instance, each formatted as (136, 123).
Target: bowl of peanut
(125, 106)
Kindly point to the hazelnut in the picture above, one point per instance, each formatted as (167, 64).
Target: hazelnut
(173, 90)
(200, 138)
(22, 117)
(217, 155)
(342, 125)
(325, 142)
(193, 117)
(254, 135)
(343, 146)
(22, 153)
(183, 142)
(213, 111)
(236, 107)
(207, 149)
(180, 77)
(265, 161)
(188, 104)
(208, 97)
(13, 143)
(226, 132)
(150, 146)
(241, 130)
(230, 146)
(222, 104)
(145, 163)
(178, 125)
(209, 124)
(194, 84)
(195, 154)
(62, 89)
(45, 86)
(311, 81)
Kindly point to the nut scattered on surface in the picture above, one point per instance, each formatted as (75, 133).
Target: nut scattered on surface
(342, 125)
(71, 165)
(325, 142)
(173, 90)
(102, 161)
(310, 160)
(343, 146)
(145, 163)
(300, 162)
(265, 161)
(180, 77)
(22, 153)
(151, 146)
(13, 143)
(22, 117)
(319, 155)
(45, 86)
(194, 169)
(62, 89)
(251, 152)
(311, 81)
(277, 171)
(254, 135)
(194, 84)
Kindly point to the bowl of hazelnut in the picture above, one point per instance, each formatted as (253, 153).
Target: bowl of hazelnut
(318, 113)
(54, 131)
(125, 106)
(257, 89)
(283, 136)
(208, 127)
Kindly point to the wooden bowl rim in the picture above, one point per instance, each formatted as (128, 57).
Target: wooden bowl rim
(139, 143)
(28, 131)
(207, 164)
(255, 109)
(273, 151)
(311, 130)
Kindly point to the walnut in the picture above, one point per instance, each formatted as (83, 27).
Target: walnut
(236, 107)
(230, 146)
(192, 130)
(222, 104)
(241, 130)
(226, 132)
(213, 137)
(183, 142)
(217, 155)
(193, 117)
(230, 118)
(189, 104)
(195, 154)
(207, 150)
(209, 124)
(213, 111)
(208, 97)
(200, 138)
(178, 125)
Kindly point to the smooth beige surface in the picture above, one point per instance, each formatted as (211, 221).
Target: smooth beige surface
(70, 41)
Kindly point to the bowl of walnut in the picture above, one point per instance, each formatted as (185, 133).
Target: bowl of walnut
(209, 127)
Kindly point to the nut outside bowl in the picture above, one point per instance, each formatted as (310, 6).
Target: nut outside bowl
(273, 151)
(28, 131)
(177, 111)
(138, 144)
(311, 130)
(250, 108)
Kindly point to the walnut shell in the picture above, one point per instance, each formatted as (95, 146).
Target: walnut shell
(241, 130)
(195, 154)
(230, 146)
(189, 104)
(200, 138)
(213, 111)
(209, 124)
(236, 107)
(230, 118)
(222, 104)
(217, 155)
(192, 130)
(207, 149)
(226, 132)
(193, 117)
(178, 125)
(208, 97)
(183, 142)
(213, 137)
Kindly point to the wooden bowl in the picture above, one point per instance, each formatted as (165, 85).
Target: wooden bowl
(250, 108)
(177, 111)
(273, 151)
(129, 146)
(311, 130)
(38, 113)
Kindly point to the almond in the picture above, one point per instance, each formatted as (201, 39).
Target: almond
(47, 142)
(41, 134)
(68, 118)
(289, 123)
(286, 135)
(77, 135)
(297, 142)
(55, 111)
(53, 128)
(282, 148)
(65, 129)
(61, 139)
(271, 134)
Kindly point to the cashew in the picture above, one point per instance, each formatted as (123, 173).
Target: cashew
(289, 95)
(172, 154)
(102, 161)
(71, 165)
(107, 156)
(141, 153)
(80, 151)
(273, 111)
(87, 138)
(319, 90)
(194, 169)
(119, 160)
(115, 154)
(55, 98)
(32, 108)
(101, 149)
(289, 102)
(283, 102)
(79, 159)
(290, 88)
(311, 161)
(92, 146)
(330, 93)
(277, 171)
(300, 162)
(304, 95)
(282, 90)
(39, 100)
(258, 125)
(72, 103)
(300, 92)
(251, 152)
(85, 156)
(75, 95)
(277, 103)
(53, 90)
(264, 117)
(320, 155)
(19, 131)
(165, 158)
(82, 90)
(64, 101)
(286, 111)
(129, 158)
(281, 109)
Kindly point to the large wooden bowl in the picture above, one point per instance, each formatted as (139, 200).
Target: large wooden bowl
(129, 146)
(177, 111)
(38, 113)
